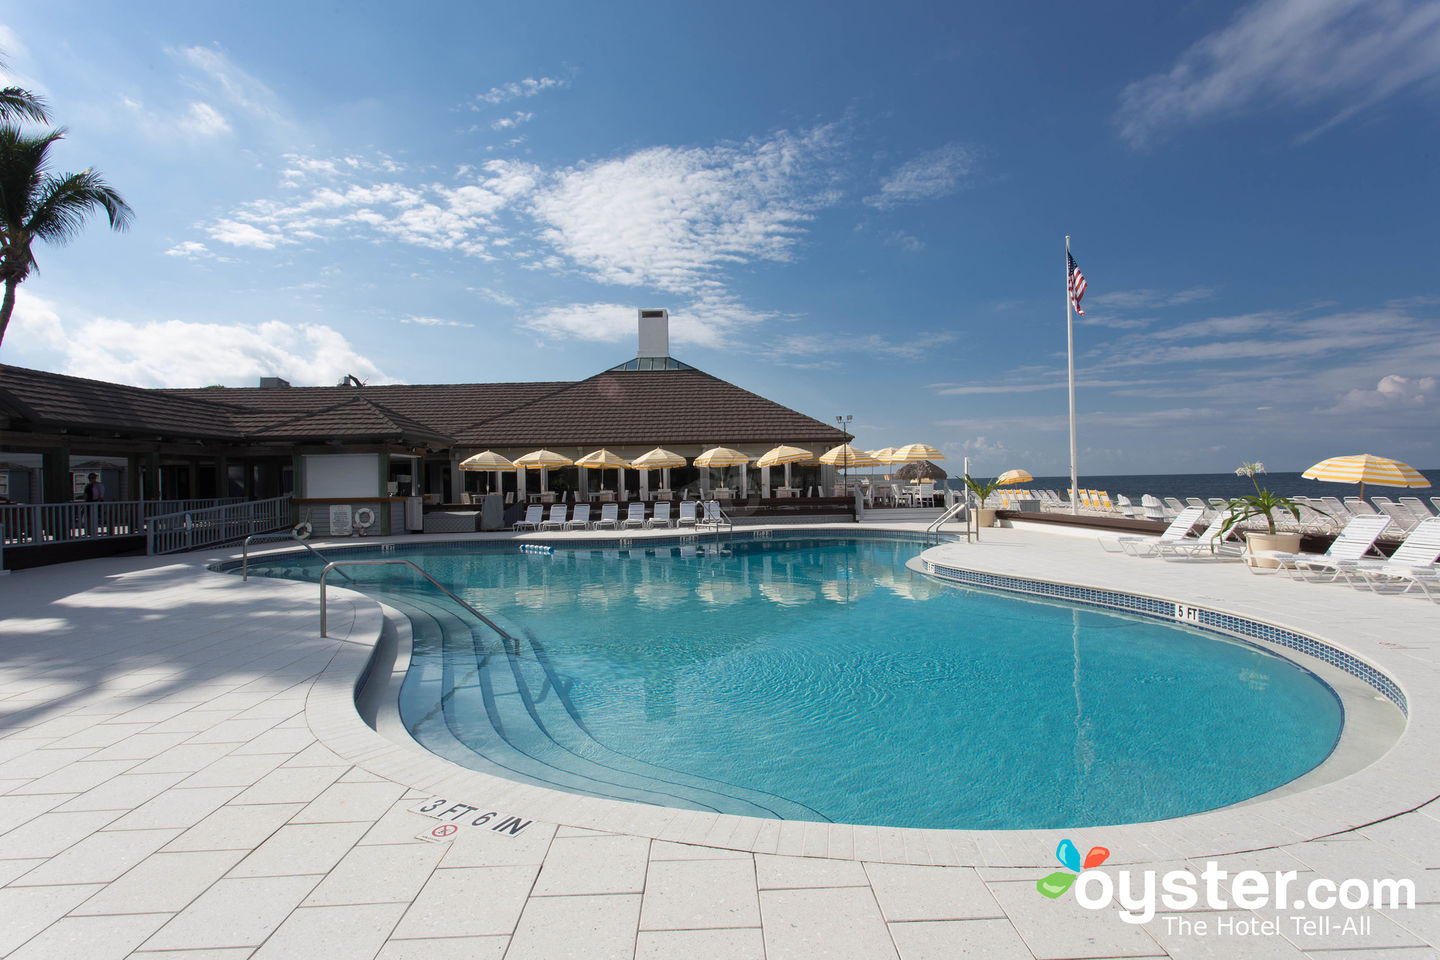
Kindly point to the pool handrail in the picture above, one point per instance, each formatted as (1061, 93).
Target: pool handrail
(934, 527)
(245, 551)
(334, 564)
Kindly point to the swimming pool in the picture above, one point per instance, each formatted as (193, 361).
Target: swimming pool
(815, 678)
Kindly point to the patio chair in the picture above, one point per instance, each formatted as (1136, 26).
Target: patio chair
(1414, 560)
(712, 515)
(1173, 505)
(660, 516)
(609, 515)
(1402, 517)
(635, 515)
(556, 520)
(533, 515)
(1351, 544)
(1148, 546)
(1208, 544)
(1417, 506)
(687, 513)
(580, 519)
(1359, 507)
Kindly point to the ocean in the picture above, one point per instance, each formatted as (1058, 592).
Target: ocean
(1226, 485)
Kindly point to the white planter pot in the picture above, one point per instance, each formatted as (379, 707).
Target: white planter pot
(1254, 542)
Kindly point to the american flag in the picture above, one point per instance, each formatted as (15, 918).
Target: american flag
(1077, 284)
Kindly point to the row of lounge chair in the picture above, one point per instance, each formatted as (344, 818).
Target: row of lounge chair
(1414, 563)
(535, 518)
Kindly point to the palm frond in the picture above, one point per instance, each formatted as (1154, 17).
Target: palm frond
(66, 201)
(16, 103)
(24, 160)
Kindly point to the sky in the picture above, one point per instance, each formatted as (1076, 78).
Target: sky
(850, 208)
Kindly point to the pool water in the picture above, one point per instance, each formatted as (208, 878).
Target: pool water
(817, 679)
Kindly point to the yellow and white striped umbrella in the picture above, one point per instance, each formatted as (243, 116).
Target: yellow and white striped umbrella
(489, 461)
(602, 459)
(784, 454)
(721, 457)
(883, 455)
(847, 457)
(1362, 468)
(1013, 476)
(658, 459)
(914, 453)
(541, 459)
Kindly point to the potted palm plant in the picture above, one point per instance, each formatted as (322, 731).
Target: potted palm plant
(1262, 503)
(983, 517)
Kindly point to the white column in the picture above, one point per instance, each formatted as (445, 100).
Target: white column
(520, 485)
(644, 484)
(744, 490)
(765, 482)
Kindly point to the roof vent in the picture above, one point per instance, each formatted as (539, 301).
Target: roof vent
(654, 333)
(270, 383)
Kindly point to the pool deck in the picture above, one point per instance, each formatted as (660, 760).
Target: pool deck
(183, 775)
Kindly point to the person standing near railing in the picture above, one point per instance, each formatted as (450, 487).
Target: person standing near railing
(94, 494)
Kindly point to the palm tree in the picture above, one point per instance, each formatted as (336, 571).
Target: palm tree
(16, 104)
(38, 205)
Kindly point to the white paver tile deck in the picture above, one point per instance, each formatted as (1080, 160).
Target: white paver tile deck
(200, 792)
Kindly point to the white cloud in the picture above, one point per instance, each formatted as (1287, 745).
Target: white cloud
(706, 323)
(518, 90)
(914, 347)
(244, 235)
(672, 217)
(204, 121)
(1338, 57)
(434, 322)
(1392, 392)
(221, 76)
(933, 174)
(34, 325)
(193, 249)
(905, 241)
(1150, 299)
(514, 120)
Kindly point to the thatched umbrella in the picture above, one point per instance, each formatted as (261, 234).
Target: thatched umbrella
(923, 470)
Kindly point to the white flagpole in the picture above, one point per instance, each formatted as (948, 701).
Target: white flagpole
(1070, 341)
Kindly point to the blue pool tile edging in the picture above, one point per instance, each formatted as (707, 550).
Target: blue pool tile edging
(1224, 624)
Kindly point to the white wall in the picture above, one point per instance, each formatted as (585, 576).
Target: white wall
(342, 475)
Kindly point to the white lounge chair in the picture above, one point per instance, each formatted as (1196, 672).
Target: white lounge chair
(556, 520)
(1174, 506)
(635, 515)
(533, 515)
(609, 515)
(1349, 545)
(1403, 519)
(712, 515)
(1148, 546)
(1359, 507)
(1417, 506)
(1208, 544)
(580, 519)
(660, 517)
(687, 514)
(1414, 560)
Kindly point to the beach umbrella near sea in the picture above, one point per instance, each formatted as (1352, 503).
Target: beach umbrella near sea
(542, 460)
(786, 455)
(659, 459)
(1363, 468)
(1013, 476)
(847, 458)
(721, 457)
(603, 459)
(915, 452)
(489, 462)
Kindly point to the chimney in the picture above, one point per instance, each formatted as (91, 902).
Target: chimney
(270, 383)
(654, 333)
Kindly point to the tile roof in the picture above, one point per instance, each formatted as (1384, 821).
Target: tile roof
(647, 407)
(614, 407)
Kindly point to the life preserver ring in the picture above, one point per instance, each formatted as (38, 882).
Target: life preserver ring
(364, 518)
(302, 530)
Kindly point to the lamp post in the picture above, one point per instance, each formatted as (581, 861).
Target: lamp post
(844, 424)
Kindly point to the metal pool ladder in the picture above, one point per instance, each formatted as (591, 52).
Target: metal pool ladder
(933, 530)
(334, 564)
(245, 552)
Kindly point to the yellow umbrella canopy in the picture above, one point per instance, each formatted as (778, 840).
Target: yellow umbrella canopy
(784, 454)
(883, 455)
(1013, 476)
(721, 457)
(846, 456)
(915, 452)
(539, 459)
(657, 459)
(489, 461)
(602, 459)
(1363, 468)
